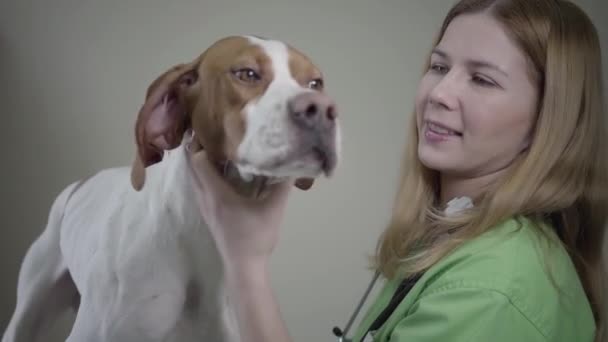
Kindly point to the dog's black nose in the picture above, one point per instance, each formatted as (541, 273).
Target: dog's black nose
(313, 110)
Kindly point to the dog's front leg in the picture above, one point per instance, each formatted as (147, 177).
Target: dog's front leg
(45, 288)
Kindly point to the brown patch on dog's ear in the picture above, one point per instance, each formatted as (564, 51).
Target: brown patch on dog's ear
(162, 119)
(304, 183)
(138, 173)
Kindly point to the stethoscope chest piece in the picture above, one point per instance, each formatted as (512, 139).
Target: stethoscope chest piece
(341, 334)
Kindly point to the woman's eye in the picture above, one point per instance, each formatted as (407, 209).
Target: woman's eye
(247, 75)
(482, 81)
(439, 68)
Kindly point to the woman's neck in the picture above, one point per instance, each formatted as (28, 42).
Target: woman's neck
(456, 186)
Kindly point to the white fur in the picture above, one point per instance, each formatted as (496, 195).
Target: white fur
(143, 262)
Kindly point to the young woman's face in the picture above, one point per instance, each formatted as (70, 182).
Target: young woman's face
(477, 102)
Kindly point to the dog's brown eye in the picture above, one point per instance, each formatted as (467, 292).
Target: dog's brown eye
(247, 75)
(317, 83)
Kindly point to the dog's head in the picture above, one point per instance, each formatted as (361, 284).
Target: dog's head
(257, 105)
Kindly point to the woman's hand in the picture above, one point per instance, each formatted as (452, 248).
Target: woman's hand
(246, 230)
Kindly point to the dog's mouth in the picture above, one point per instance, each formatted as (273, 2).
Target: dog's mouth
(252, 185)
(326, 160)
(254, 182)
(308, 162)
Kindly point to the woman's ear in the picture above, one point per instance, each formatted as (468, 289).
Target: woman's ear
(162, 119)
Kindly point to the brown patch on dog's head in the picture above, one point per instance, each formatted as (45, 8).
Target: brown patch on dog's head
(206, 95)
(210, 95)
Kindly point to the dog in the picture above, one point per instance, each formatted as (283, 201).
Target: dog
(127, 248)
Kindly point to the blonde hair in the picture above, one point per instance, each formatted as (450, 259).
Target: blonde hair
(561, 179)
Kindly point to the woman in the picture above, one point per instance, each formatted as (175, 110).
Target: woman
(498, 224)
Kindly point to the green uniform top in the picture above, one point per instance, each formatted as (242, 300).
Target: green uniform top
(494, 288)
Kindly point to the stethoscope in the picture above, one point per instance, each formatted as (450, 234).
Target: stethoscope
(455, 205)
(342, 334)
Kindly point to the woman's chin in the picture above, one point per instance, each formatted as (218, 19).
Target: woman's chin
(433, 159)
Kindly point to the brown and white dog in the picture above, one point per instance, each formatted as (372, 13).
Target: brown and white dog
(128, 247)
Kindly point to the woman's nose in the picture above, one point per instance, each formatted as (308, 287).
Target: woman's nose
(445, 92)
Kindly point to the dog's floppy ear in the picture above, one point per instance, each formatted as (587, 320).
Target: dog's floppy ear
(162, 119)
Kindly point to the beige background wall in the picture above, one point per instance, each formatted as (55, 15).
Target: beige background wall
(73, 74)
